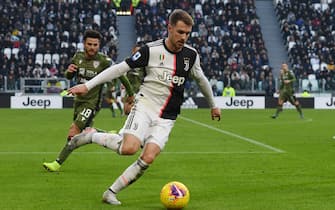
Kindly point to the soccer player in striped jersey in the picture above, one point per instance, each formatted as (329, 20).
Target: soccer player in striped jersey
(167, 63)
(85, 66)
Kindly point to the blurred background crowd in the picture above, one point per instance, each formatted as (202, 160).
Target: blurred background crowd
(39, 37)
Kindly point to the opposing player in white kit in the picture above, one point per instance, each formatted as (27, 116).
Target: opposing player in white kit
(167, 63)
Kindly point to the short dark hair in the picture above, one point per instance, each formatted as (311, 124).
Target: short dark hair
(180, 15)
(92, 34)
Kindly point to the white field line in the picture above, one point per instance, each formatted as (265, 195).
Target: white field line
(273, 149)
(108, 153)
(281, 122)
(252, 141)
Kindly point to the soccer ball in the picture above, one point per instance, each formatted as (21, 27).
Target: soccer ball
(174, 195)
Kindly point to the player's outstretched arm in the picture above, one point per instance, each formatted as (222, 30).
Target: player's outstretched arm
(107, 75)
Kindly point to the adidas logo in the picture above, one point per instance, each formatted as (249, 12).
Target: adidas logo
(189, 104)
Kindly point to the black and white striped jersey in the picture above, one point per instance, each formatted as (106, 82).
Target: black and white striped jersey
(166, 74)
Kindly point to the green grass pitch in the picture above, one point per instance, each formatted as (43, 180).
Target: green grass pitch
(247, 161)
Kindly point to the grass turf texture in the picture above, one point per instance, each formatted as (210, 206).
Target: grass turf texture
(245, 161)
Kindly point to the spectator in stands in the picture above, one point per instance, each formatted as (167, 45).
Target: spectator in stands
(311, 50)
(46, 21)
(233, 24)
(11, 80)
(329, 83)
(213, 82)
(305, 94)
(2, 83)
(331, 66)
(269, 85)
(45, 71)
(37, 71)
(229, 91)
(235, 80)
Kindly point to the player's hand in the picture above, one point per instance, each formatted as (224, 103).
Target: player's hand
(216, 114)
(128, 104)
(72, 68)
(78, 90)
(130, 99)
(127, 107)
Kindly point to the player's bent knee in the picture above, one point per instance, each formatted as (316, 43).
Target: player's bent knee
(130, 145)
(129, 149)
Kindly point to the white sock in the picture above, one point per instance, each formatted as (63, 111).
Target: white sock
(111, 141)
(130, 175)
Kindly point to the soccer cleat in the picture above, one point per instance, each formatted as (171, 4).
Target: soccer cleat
(273, 116)
(110, 198)
(302, 116)
(52, 167)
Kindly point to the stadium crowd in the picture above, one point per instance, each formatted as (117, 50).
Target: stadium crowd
(38, 38)
(308, 30)
(227, 35)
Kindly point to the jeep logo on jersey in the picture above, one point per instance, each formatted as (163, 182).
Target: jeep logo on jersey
(174, 79)
(87, 73)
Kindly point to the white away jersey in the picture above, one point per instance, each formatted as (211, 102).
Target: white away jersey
(165, 75)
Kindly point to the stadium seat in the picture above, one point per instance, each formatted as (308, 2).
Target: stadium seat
(304, 84)
(7, 52)
(39, 59)
(194, 34)
(260, 85)
(316, 67)
(97, 19)
(238, 23)
(55, 58)
(32, 43)
(219, 86)
(74, 45)
(15, 52)
(324, 6)
(323, 66)
(63, 85)
(64, 45)
(198, 8)
(317, 6)
(291, 44)
(66, 33)
(311, 77)
(315, 85)
(310, 84)
(80, 46)
(47, 58)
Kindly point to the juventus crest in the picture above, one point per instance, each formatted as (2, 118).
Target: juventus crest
(187, 64)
